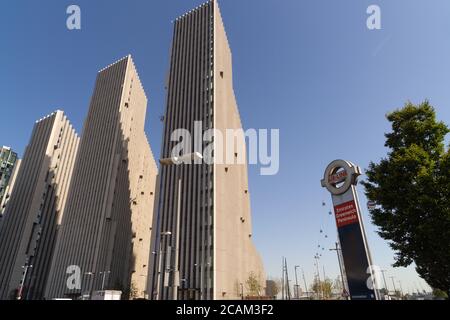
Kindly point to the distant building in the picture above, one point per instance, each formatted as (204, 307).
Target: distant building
(106, 229)
(8, 167)
(35, 208)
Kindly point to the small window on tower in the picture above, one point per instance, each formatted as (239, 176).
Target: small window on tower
(221, 74)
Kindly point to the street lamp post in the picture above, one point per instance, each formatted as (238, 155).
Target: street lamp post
(385, 284)
(316, 257)
(161, 255)
(306, 286)
(90, 274)
(393, 284)
(282, 279)
(297, 294)
(104, 273)
(401, 289)
(22, 282)
(187, 158)
(337, 249)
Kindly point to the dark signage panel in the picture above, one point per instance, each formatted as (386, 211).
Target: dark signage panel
(355, 262)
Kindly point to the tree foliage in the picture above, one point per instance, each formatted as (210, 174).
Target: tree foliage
(439, 294)
(323, 289)
(253, 284)
(411, 188)
(133, 293)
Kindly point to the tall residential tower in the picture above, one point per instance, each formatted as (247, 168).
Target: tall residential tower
(35, 208)
(105, 232)
(203, 247)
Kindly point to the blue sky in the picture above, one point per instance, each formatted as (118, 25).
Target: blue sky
(310, 68)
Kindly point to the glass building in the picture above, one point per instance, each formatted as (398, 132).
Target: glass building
(8, 159)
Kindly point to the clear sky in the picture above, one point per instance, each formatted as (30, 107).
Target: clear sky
(310, 68)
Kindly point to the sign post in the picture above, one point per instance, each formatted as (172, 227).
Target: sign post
(340, 179)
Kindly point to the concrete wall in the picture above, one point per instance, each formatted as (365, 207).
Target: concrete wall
(235, 256)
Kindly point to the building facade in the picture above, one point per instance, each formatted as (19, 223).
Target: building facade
(8, 166)
(35, 208)
(203, 247)
(105, 233)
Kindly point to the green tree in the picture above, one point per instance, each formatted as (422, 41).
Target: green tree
(411, 188)
(253, 285)
(133, 293)
(439, 294)
(327, 288)
(323, 289)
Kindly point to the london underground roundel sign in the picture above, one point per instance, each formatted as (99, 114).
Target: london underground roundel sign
(339, 176)
(340, 179)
